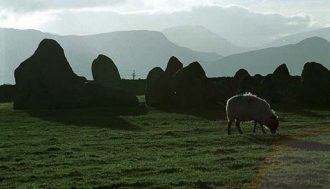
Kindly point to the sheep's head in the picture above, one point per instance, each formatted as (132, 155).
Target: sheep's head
(273, 124)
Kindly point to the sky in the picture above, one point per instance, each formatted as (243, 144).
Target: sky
(243, 22)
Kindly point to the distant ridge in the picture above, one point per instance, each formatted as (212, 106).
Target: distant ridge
(295, 38)
(138, 50)
(264, 61)
(201, 39)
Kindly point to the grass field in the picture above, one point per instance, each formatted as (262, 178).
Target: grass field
(148, 148)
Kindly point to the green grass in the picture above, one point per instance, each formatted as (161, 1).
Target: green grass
(140, 148)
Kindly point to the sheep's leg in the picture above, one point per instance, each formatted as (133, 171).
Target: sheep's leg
(254, 128)
(262, 128)
(229, 127)
(239, 127)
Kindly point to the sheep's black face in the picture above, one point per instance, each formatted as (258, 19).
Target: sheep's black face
(273, 124)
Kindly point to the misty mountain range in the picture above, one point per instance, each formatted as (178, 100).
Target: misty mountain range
(130, 50)
(199, 38)
(292, 39)
(142, 50)
(266, 60)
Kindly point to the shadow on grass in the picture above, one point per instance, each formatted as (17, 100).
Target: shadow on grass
(209, 113)
(263, 139)
(288, 141)
(304, 111)
(303, 144)
(92, 117)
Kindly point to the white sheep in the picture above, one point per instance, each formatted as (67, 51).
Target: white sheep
(248, 107)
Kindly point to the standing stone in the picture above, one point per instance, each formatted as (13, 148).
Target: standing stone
(157, 92)
(46, 80)
(192, 88)
(281, 71)
(7, 93)
(315, 82)
(251, 84)
(173, 66)
(240, 75)
(105, 71)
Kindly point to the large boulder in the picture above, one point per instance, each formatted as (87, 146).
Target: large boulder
(192, 88)
(315, 82)
(173, 66)
(157, 91)
(105, 71)
(7, 93)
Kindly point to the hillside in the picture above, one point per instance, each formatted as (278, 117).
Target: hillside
(130, 50)
(292, 39)
(265, 61)
(201, 39)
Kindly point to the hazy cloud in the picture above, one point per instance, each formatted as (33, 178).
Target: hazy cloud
(244, 22)
(25, 6)
(237, 24)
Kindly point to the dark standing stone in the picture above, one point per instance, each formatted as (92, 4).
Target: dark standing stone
(281, 71)
(105, 71)
(251, 84)
(46, 80)
(225, 87)
(173, 66)
(106, 75)
(157, 92)
(192, 88)
(269, 91)
(7, 93)
(240, 75)
(315, 82)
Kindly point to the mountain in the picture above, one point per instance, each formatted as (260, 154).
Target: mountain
(292, 39)
(201, 39)
(265, 61)
(130, 50)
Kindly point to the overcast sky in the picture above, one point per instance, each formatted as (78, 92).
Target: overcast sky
(244, 22)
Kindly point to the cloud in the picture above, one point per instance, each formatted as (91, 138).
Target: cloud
(27, 6)
(244, 22)
(237, 24)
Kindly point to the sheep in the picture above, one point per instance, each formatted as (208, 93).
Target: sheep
(248, 107)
